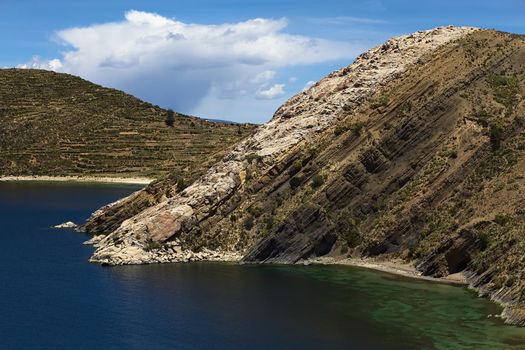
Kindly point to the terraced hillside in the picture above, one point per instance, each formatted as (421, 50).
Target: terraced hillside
(59, 124)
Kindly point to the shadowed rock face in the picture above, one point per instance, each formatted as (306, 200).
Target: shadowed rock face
(414, 151)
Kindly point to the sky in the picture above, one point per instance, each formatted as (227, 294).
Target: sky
(225, 59)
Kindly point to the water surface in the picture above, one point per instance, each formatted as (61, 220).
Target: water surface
(52, 298)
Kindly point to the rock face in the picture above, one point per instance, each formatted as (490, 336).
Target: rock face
(415, 151)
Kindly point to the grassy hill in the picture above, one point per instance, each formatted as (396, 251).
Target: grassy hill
(58, 124)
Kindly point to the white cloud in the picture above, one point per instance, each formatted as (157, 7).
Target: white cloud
(309, 85)
(271, 93)
(264, 77)
(179, 65)
(37, 63)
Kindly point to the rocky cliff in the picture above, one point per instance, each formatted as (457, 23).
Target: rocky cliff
(414, 151)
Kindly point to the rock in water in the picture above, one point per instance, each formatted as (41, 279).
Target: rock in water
(68, 224)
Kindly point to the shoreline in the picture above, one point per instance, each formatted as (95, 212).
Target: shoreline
(83, 179)
(397, 267)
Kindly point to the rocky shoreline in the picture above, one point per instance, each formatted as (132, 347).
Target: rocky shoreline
(171, 252)
(401, 154)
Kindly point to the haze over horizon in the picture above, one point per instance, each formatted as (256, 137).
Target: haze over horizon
(218, 59)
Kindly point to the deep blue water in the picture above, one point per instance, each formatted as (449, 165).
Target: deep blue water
(52, 298)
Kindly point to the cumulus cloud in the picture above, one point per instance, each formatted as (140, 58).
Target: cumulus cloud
(275, 91)
(179, 65)
(37, 63)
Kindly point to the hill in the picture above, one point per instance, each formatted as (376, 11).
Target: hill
(415, 152)
(58, 124)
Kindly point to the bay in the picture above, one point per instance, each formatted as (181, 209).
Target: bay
(52, 298)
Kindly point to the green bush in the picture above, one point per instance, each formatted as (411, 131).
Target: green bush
(170, 118)
(248, 223)
(255, 211)
(317, 181)
(510, 281)
(340, 129)
(270, 223)
(501, 219)
(495, 132)
(349, 229)
(356, 128)
(380, 102)
(181, 184)
(152, 245)
(296, 181)
(505, 90)
(296, 167)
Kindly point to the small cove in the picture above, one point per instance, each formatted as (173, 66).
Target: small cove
(51, 297)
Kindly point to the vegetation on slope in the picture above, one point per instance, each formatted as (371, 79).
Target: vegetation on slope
(58, 124)
(432, 174)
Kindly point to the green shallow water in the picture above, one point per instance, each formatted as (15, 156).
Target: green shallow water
(415, 314)
(52, 298)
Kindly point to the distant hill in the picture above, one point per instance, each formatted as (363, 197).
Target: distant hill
(59, 124)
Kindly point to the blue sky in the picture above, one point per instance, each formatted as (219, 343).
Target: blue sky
(212, 58)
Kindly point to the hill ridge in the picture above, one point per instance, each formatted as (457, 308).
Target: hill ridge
(414, 152)
(59, 124)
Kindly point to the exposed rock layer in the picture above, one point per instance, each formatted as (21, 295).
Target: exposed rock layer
(415, 151)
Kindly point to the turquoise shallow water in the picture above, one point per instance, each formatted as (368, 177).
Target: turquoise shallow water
(52, 298)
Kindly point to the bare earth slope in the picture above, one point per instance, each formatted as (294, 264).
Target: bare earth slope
(61, 125)
(415, 151)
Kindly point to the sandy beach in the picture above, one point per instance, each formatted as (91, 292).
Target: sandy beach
(88, 179)
(397, 267)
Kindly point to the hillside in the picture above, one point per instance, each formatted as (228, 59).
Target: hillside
(416, 151)
(58, 124)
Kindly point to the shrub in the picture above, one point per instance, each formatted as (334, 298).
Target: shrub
(380, 102)
(510, 281)
(340, 129)
(270, 223)
(495, 136)
(296, 181)
(349, 229)
(296, 167)
(505, 90)
(152, 245)
(317, 181)
(248, 223)
(181, 184)
(170, 118)
(501, 219)
(255, 211)
(351, 235)
(357, 128)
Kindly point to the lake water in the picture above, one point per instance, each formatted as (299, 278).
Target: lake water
(52, 298)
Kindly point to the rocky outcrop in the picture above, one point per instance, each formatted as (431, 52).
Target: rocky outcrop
(297, 120)
(415, 151)
(68, 224)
